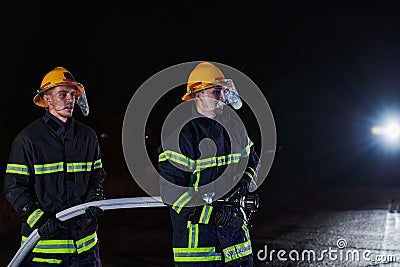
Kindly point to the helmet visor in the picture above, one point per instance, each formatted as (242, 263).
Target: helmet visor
(231, 94)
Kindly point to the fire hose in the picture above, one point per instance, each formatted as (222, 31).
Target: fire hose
(108, 204)
(249, 203)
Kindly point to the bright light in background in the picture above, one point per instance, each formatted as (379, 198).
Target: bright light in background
(390, 131)
(393, 130)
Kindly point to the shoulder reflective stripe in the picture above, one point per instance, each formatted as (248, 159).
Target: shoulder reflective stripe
(86, 243)
(34, 217)
(237, 251)
(79, 167)
(49, 168)
(177, 158)
(196, 254)
(52, 261)
(193, 236)
(182, 201)
(17, 168)
(206, 214)
(98, 164)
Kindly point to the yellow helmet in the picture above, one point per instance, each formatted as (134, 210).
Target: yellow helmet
(202, 77)
(57, 76)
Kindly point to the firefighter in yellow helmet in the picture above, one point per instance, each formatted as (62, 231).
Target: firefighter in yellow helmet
(55, 163)
(212, 232)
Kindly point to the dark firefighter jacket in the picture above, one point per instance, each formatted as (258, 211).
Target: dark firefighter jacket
(53, 166)
(192, 157)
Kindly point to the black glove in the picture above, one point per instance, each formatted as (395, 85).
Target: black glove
(94, 195)
(30, 212)
(93, 212)
(50, 228)
(243, 187)
(224, 215)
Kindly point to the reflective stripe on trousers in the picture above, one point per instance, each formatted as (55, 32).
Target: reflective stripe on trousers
(194, 253)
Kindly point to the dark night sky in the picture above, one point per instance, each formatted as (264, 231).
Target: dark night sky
(327, 70)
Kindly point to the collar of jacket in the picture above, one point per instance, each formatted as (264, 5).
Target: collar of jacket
(58, 126)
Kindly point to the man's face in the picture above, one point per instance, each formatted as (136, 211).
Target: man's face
(210, 101)
(61, 101)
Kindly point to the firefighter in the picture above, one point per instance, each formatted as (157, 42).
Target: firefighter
(206, 230)
(55, 163)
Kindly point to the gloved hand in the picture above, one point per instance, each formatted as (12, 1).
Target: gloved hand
(243, 187)
(93, 212)
(51, 228)
(224, 215)
(94, 195)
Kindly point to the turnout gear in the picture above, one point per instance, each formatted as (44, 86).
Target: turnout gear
(53, 166)
(207, 233)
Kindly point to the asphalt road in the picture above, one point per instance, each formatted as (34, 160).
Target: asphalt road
(333, 226)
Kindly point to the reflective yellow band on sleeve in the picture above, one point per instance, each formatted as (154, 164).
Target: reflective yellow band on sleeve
(246, 150)
(177, 158)
(34, 217)
(98, 164)
(86, 243)
(251, 169)
(17, 169)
